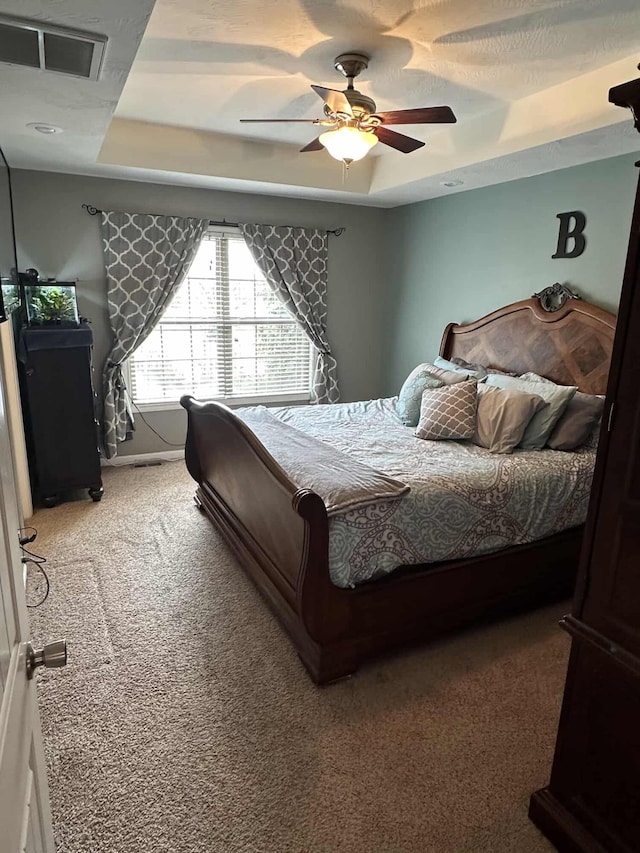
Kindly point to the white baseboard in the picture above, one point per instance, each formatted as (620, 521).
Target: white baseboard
(142, 458)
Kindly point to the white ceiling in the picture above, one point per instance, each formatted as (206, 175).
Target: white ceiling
(82, 107)
(527, 80)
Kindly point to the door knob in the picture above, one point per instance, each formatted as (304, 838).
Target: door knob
(52, 655)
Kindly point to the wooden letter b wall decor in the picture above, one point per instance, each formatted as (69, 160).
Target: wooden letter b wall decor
(567, 232)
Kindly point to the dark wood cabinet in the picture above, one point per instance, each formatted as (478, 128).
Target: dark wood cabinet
(59, 412)
(592, 802)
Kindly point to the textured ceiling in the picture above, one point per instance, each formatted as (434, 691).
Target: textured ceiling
(527, 80)
(83, 108)
(205, 65)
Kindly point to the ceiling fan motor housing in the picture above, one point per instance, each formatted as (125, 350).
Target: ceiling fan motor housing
(360, 102)
(350, 65)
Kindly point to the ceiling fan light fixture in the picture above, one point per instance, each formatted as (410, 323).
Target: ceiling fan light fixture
(348, 143)
(355, 125)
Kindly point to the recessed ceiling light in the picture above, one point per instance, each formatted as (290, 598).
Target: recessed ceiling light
(454, 183)
(41, 127)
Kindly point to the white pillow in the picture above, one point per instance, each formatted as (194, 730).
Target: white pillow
(542, 423)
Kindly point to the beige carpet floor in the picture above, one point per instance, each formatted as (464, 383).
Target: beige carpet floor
(184, 721)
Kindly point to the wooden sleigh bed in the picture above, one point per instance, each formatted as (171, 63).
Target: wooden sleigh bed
(280, 533)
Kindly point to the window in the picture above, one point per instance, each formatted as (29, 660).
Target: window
(224, 336)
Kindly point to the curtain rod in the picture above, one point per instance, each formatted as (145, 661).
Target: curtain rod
(92, 211)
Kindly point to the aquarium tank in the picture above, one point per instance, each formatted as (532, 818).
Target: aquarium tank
(51, 303)
(10, 295)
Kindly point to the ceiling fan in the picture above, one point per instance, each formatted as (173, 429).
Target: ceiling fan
(353, 125)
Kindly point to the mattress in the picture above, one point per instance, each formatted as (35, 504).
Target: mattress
(463, 501)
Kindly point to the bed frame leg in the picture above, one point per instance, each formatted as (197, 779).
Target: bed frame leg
(329, 667)
(337, 680)
(322, 679)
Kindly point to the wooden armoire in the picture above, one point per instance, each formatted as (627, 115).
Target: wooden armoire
(592, 802)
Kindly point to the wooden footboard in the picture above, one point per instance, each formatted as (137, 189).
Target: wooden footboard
(280, 535)
(278, 531)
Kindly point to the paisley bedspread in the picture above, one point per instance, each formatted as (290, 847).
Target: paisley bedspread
(463, 500)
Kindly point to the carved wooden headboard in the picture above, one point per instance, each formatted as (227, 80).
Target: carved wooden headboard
(570, 344)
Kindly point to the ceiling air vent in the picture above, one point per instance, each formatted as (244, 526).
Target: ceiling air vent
(51, 48)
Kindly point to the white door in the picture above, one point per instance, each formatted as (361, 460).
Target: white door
(25, 817)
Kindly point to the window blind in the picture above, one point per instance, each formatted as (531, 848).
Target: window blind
(224, 336)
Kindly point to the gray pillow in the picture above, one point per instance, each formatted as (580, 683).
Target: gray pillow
(592, 440)
(410, 397)
(503, 416)
(472, 371)
(542, 423)
(578, 421)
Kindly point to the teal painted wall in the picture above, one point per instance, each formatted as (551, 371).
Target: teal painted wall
(456, 258)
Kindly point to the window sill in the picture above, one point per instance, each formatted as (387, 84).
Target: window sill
(234, 403)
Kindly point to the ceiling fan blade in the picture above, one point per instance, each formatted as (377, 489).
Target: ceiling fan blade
(281, 120)
(399, 141)
(335, 100)
(314, 145)
(426, 115)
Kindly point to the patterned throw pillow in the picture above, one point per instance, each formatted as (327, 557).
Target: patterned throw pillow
(448, 412)
(499, 372)
(474, 368)
(473, 371)
(530, 376)
(449, 377)
(410, 397)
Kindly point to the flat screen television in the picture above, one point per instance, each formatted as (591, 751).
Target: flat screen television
(10, 297)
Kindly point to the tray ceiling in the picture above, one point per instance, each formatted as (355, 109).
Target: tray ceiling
(527, 80)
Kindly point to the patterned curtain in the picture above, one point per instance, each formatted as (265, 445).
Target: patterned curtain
(146, 259)
(294, 263)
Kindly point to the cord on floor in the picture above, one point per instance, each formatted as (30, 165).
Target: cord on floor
(34, 559)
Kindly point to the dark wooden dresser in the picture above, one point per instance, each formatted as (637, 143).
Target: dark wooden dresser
(592, 802)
